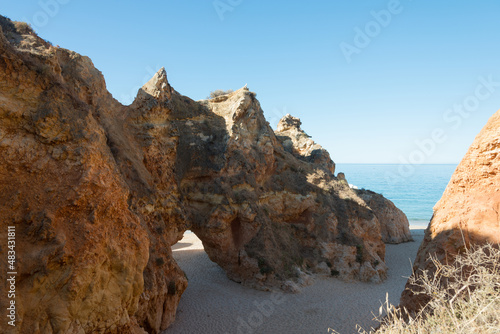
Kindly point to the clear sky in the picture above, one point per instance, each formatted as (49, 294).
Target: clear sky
(369, 79)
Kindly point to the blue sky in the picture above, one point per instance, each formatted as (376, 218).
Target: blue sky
(418, 88)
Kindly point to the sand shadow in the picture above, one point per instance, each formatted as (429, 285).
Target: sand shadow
(181, 245)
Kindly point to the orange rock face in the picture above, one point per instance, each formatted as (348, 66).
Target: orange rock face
(90, 256)
(468, 211)
(99, 192)
(394, 226)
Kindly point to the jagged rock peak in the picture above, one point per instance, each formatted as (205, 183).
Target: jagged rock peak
(300, 144)
(288, 122)
(157, 87)
(100, 192)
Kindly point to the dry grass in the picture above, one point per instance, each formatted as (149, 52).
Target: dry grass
(219, 92)
(465, 297)
(24, 28)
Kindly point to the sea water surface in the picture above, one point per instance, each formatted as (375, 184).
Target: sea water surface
(413, 189)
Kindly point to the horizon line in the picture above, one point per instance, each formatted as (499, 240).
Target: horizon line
(392, 163)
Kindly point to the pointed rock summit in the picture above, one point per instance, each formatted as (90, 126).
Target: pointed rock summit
(99, 192)
(297, 142)
(289, 122)
(157, 87)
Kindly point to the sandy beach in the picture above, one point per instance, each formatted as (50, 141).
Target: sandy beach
(214, 304)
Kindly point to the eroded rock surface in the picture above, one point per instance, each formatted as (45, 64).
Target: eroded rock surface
(468, 211)
(91, 255)
(269, 215)
(99, 192)
(297, 142)
(394, 226)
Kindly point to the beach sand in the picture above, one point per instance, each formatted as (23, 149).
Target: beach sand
(214, 304)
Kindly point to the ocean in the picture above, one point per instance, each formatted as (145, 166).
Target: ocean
(413, 189)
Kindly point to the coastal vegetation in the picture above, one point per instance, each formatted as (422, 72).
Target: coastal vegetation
(219, 92)
(464, 297)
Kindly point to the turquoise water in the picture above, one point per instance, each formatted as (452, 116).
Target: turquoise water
(414, 189)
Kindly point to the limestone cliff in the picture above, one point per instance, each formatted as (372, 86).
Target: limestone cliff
(268, 215)
(91, 255)
(394, 226)
(467, 213)
(297, 142)
(99, 192)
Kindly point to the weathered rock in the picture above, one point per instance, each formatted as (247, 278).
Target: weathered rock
(297, 142)
(84, 228)
(467, 213)
(80, 250)
(271, 212)
(99, 192)
(394, 226)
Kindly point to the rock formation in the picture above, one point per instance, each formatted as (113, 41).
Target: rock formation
(92, 256)
(99, 192)
(394, 226)
(468, 211)
(298, 143)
